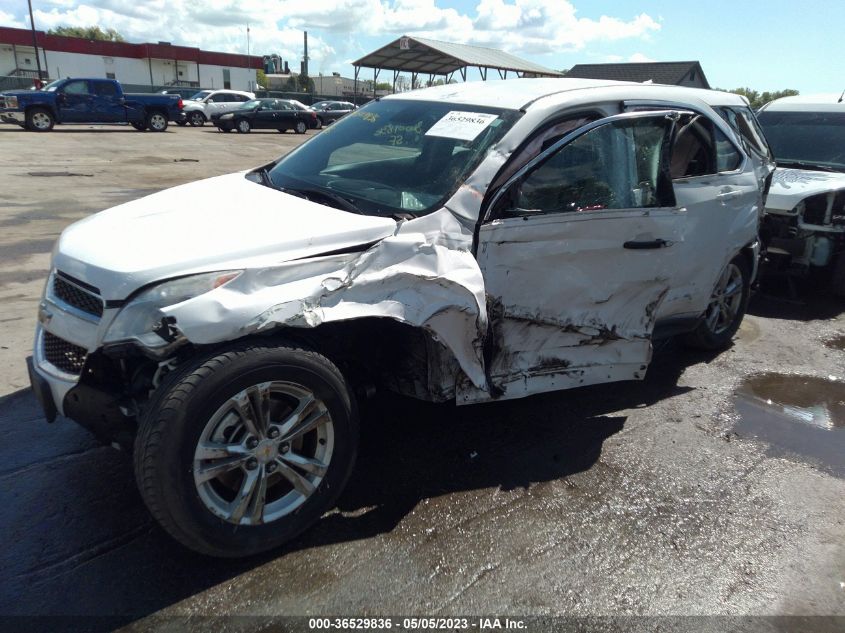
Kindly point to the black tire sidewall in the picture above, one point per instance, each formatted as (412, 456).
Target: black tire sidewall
(180, 437)
(197, 116)
(301, 128)
(240, 123)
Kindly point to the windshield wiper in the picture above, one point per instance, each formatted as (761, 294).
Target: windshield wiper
(344, 204)
(803, 164)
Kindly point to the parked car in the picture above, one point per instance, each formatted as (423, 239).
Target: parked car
(267, 114)
(207, 103)
(330, 111)
(466, 243)
(804, 225)
(87, 101)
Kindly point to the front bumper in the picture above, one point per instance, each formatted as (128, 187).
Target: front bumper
(18, 118)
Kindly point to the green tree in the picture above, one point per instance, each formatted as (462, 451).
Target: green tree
(88, 33)
(261, 78)
(758, 99)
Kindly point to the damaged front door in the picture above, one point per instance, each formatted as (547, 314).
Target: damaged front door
(577, 253)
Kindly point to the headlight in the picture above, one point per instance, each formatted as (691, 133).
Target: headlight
(142, 319)
(11, 101)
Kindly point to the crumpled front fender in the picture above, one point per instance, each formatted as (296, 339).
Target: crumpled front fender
(424, 275)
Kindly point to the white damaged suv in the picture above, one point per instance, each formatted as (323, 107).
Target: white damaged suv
(804, 226)
(465, 243)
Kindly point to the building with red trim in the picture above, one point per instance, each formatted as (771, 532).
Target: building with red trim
(154, 65)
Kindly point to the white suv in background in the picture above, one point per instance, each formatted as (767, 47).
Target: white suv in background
(804, 226)
(207, 103)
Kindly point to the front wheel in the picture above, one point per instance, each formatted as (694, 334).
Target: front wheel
(301, 128)
(196, 119)
(39, 120)
(156, 122)
(728, 303)
(243, 126)
(244, 449)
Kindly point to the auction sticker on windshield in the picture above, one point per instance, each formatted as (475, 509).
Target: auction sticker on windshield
(464, 126)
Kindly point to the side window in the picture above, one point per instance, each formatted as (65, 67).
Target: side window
(218, 98)
(105, 89)
(727, 156)
(76, 88)
(618, 165)
(701, 149)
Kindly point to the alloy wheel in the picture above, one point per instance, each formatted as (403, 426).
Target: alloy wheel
(725, 301)
(263, 453)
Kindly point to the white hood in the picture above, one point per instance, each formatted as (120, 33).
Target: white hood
(215, 224)
(791, 186)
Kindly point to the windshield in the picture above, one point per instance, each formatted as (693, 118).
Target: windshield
(806, 139)
(395, 156)
(202, 94)
(51, 87)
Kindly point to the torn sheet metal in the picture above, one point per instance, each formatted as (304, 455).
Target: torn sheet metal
(569, 306)
(424, 275)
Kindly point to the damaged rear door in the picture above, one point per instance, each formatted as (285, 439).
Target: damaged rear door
(578, 250)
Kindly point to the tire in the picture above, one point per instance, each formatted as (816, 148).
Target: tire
(39, 120)
(320, 123)
(207, 403)
(156, 121)
(724, 314)
(196, 118)
(243, 126)
(300, 127)
(138, 126)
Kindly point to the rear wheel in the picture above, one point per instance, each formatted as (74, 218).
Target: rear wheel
(196, 118)
(243, 126)
(320, 123)
(245, 449)
(156, 122)
(728, 303)
(39, 120)
(300, 128)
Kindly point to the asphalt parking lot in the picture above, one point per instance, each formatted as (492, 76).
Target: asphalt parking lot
(713, 487)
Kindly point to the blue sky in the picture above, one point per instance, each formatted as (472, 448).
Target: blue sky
(767, 45)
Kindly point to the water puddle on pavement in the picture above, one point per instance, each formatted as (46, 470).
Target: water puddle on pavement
(797, 415)
(837, 342)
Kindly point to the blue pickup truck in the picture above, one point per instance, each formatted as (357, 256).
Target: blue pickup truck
(87, 101)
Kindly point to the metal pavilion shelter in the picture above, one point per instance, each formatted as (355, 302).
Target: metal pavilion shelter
(422, 56)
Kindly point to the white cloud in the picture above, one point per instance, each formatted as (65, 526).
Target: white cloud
(336, 27)
(639, 57)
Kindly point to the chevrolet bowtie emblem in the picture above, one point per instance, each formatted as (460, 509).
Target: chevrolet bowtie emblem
(44, 314)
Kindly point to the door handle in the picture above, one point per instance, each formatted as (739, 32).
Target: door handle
(642, 245)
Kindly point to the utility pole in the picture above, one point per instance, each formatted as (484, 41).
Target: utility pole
(34, 42)
(248, 64)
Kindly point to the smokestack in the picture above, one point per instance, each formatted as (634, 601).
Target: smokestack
(305, 58)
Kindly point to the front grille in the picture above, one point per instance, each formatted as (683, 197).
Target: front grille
(77, 297)
(66, 356)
